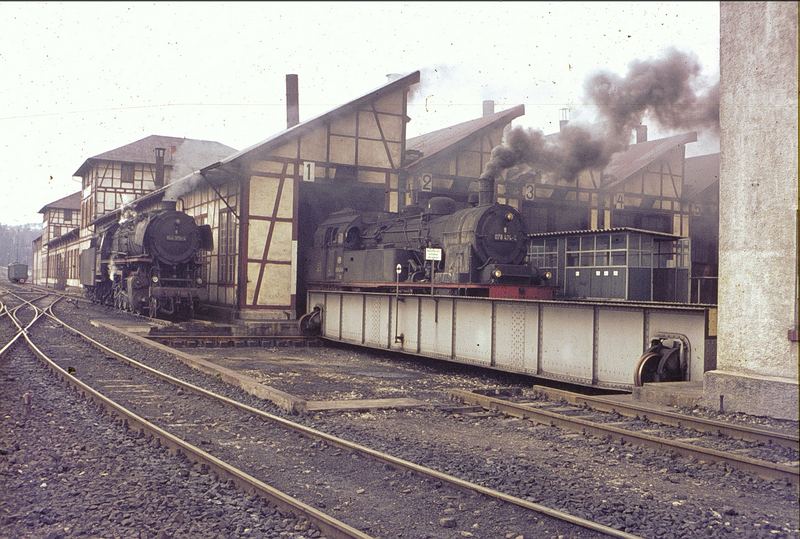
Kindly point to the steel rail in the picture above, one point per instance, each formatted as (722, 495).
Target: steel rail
(762, 468)
(232, 339)
(627, 409)
(330, 526)
(352, 446)
(12, 315)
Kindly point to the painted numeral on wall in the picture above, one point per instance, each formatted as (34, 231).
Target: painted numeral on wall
(308, 171)
(426, 183)
(529, 191)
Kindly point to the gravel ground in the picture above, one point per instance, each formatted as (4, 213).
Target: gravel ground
(647, 492)
(68, 470)
(380, 500)
(758, 450)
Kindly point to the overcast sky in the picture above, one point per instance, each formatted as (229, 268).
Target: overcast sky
(79, 79)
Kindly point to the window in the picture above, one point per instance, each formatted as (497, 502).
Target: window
(67, 216)
(127, 172)
(226, 269)
(205, 257)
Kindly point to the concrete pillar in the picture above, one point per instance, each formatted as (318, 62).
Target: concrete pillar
(757, 356)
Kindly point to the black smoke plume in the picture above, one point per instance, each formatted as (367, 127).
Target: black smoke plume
(661, 88)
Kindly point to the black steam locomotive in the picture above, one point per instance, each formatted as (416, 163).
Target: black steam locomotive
(147, 263)
(481, 250)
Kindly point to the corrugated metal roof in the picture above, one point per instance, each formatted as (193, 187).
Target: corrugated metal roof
(69, 202)
(430, 144)
(184, 155)
(700, 173)
(637, 156)
(660, 235)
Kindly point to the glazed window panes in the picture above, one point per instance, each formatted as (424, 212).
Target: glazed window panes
(618, 241)
(618, 258)
(227, 247)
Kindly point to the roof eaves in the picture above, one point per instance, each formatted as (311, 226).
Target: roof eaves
(502, 117)
(661, 235)
(657, 151)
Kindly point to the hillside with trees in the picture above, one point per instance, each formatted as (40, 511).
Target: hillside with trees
(15, 243)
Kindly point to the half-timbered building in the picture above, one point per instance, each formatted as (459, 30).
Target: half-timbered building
(446, 162)
(701, 193)
(58, 218)
(114, 178)
(110, 180)
(640, 188)
(265, 201)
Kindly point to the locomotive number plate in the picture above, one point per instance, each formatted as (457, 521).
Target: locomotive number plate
(505, 237)
(174, 237)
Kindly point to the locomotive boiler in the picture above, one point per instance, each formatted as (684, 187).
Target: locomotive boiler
(481, 249)
(148, 263)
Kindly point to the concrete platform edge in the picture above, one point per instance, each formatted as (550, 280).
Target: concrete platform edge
(754, 395)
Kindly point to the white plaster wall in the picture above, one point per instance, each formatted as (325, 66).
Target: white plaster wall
(758, 188)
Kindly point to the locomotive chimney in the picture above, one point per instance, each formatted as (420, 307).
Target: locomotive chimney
(641, 133)
(485, 190)
(562, 123)
(488, 107)
(292, 102)
(159, 179)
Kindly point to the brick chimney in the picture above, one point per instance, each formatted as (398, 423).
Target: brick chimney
(564, 119)
(292, 102)
(159, 179)
(488, 107)
(641, 133)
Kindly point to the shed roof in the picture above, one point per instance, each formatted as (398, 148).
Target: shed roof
(435, 142)
(700, 173)
(69, 202)
(280, 138)
(277, 139)
(637, 156)
(184, 155)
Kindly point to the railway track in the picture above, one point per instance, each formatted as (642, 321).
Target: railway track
(234, 341)
(299, 458)
(771, 455)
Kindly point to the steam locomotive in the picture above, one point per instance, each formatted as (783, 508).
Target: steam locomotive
(479, 250)
(147, 263)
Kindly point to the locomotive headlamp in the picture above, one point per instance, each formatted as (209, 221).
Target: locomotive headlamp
(497, 273)
(199, 280)
(548, 275)
(509, 216)
(154, 278)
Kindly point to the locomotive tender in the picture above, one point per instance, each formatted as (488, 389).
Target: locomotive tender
(483, 250)
(147, 263)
